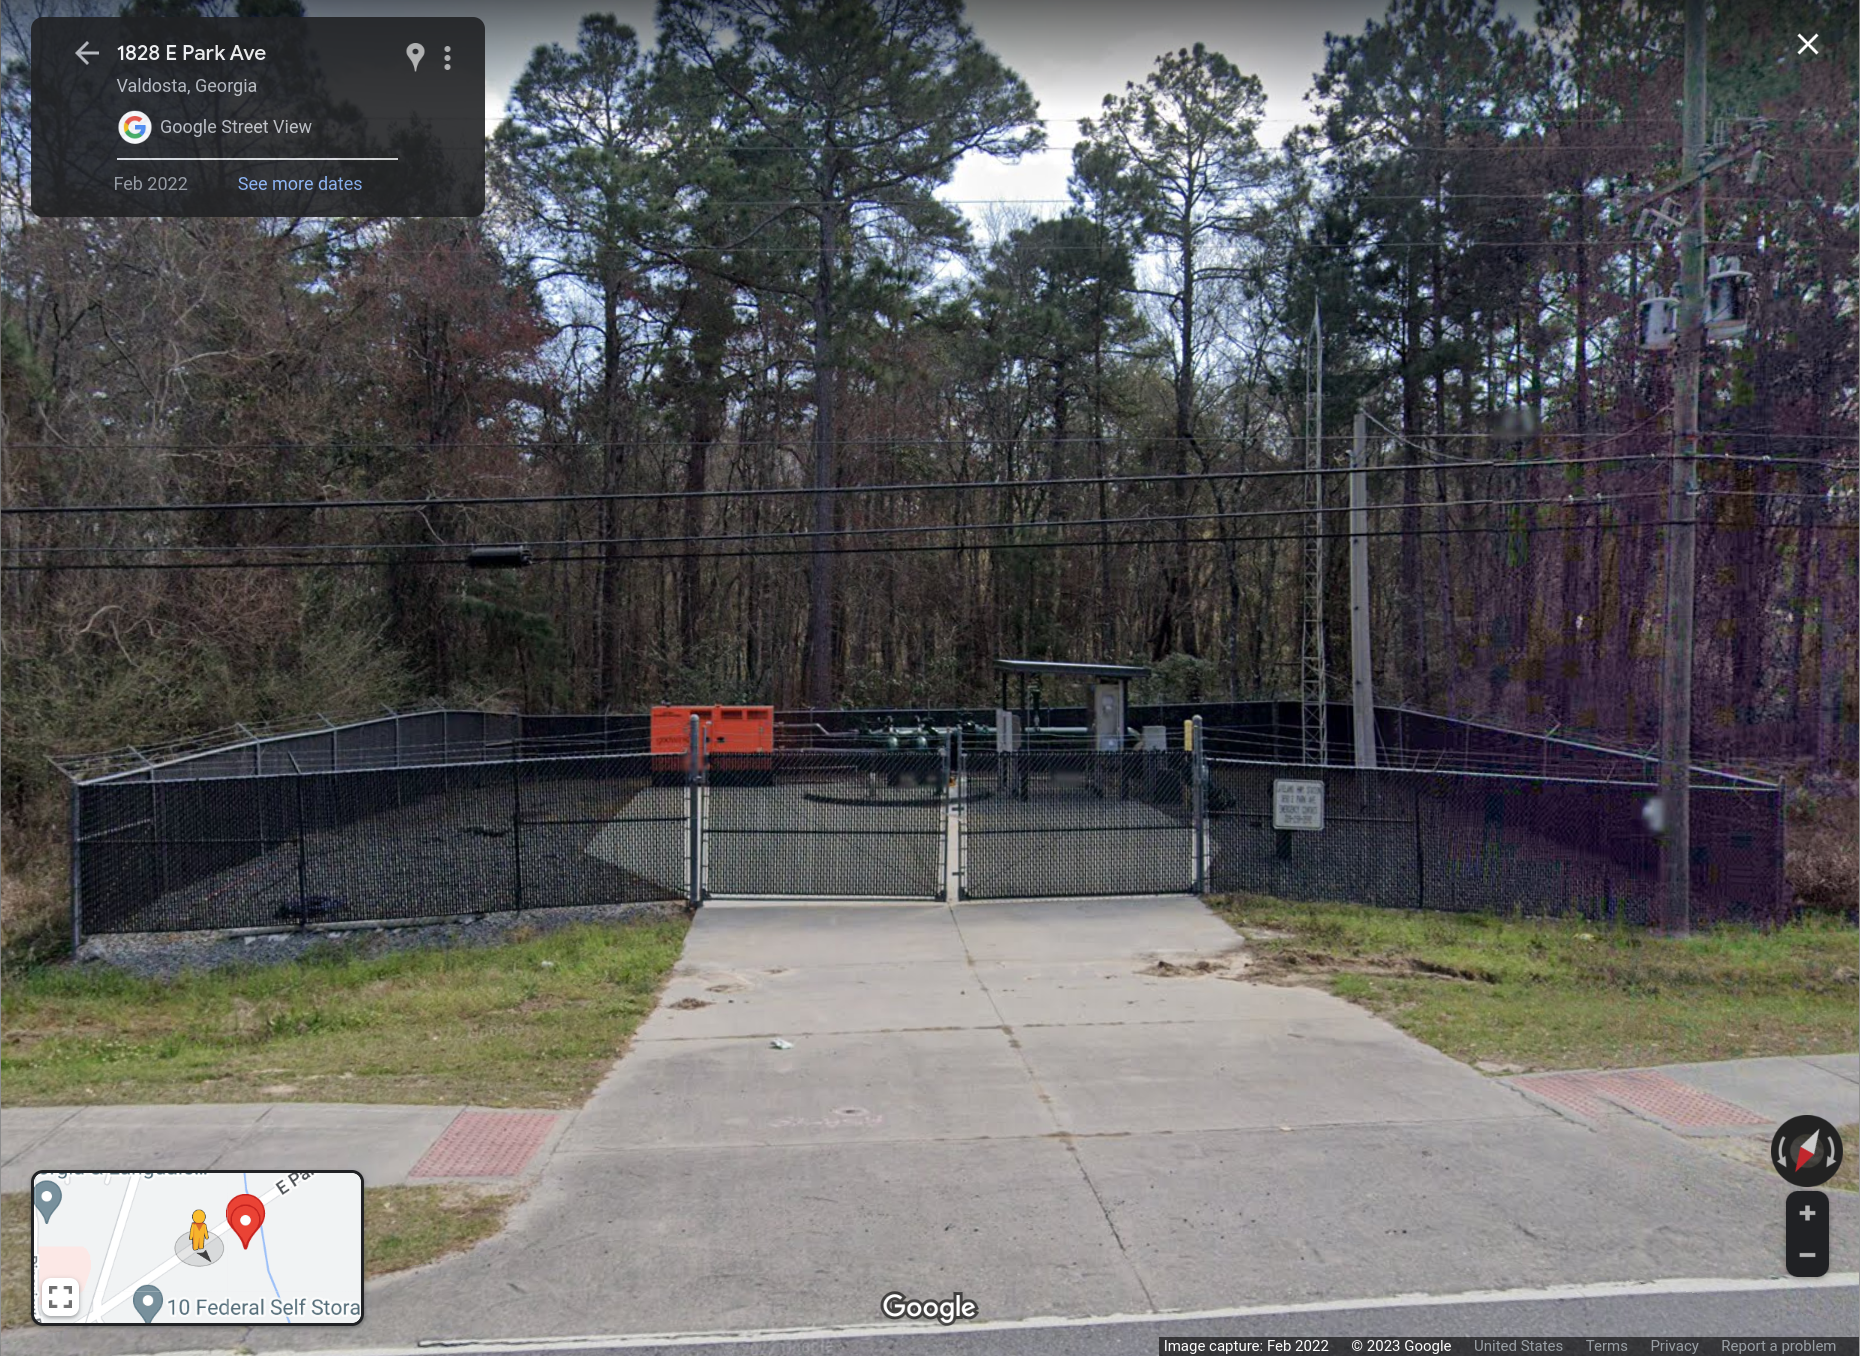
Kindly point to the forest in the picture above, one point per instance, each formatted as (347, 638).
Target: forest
(779, 423)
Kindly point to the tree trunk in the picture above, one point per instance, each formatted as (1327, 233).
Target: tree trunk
(820, 563)
(690, 572)
(708, 339)
(1179, 619)
(1580, 587)
(1107, 628)
(607, 617)
(1414, 628)
(1829, 749)
(1808, 517)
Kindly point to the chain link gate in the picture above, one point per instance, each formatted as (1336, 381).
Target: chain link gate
(1054, 822)
(821, 823)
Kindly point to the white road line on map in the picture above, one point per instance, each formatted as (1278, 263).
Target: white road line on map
(166, 1266)
(631, 1341)
(97, 1309)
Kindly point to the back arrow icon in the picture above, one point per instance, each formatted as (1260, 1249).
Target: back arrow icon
(85, 52)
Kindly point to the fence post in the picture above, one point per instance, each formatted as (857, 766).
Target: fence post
(1420, 858)
(1782, 903)
(303, 898)
(155, 831)
(962, 818)
(77, 871)
(516, 824)
(948, 802)
(694, 777)
(1198, 773)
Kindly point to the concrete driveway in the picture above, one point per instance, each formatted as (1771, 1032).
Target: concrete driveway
(997, 1099)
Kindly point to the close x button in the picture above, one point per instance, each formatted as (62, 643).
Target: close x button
(1805, 1230)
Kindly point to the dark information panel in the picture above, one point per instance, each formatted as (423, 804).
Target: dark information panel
(1216, 1345)
(149, 116)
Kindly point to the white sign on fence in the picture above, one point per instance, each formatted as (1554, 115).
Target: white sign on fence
(1297, 805)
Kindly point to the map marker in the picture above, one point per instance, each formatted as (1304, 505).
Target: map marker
(148, 1303)
(46, 1196)
(245, 1213)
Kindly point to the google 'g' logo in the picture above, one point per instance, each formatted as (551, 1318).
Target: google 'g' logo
(134, 127)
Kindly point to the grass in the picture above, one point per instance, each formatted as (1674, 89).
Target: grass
(1528, 994)
(532, 1022)
(1822, 861)
(409, 1226)
(402, 1227)
(35, 914)
(15, 1259)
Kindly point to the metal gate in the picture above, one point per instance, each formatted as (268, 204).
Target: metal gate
(824, 823)
(1078, 822)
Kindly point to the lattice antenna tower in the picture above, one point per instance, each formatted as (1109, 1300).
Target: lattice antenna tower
(1313, 720)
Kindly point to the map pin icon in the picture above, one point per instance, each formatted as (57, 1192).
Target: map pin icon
(46, 1196)
(148, 1303)
(245, 1213)
(414, 53)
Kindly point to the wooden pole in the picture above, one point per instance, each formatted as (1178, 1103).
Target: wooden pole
(1682, 508)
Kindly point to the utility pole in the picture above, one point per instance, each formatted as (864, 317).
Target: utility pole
(1314, 716)
(1682, 510)
(1362, 690)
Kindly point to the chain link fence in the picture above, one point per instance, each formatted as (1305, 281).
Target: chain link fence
(388, 844)
(1487, 843)
(441, 813)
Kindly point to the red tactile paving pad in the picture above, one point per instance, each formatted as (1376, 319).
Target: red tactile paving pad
(1681, 1104)
(1575, 1091)
(486, 1144)
(1639, 1090)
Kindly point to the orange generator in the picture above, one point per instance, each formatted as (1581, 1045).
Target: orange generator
(730, 734)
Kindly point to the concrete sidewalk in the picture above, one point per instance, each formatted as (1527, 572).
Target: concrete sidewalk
(388, 1145)
(1014, 1101)
(391, 1145)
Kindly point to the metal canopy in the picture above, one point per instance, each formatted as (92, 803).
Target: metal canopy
(1085, 671)
(1108, 711)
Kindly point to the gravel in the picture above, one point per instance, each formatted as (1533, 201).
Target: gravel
(164, 955)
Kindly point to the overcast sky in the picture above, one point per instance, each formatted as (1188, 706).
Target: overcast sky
(1070, 52)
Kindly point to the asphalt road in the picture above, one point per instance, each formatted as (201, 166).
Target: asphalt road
(1827, 1308)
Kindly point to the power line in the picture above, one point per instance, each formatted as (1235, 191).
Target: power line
(784, 491)
(543, 444)
(1447, 240)
(1519, 529)
(688, 539)
(1549, 196)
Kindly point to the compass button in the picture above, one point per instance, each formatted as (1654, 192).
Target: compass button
(1806, 1151)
